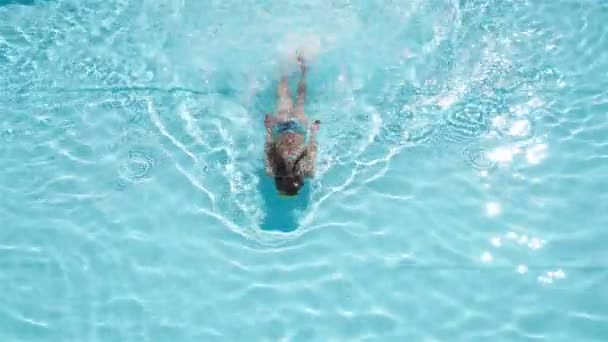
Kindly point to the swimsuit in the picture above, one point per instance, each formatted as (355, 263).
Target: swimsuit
(290, 126)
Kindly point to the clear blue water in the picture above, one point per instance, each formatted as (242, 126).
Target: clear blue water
(461, 192)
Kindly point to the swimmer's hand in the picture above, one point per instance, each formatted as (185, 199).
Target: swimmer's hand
(312, 149)
(301, 62)
(269, 121)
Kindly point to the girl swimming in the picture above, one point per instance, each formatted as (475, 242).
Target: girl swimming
(291, 145)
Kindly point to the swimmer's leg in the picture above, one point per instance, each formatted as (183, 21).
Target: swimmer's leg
(301, 97)
(284, 102)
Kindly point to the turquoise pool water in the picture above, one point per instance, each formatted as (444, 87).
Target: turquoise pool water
(461, 193)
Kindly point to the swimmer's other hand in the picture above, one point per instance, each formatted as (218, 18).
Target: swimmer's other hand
(269, 121)
(316, 125)
(301, 62)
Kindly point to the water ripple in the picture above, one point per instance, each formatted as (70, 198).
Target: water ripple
(137, 167)
(411, 96)
(477, 156)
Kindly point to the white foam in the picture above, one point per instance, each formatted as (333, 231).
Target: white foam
(535, 243)
(536, 102)
(520, 128)
(493, 208)
(486, 257)
(550, 276)
(191, 125)
(499, 121)
(559, 274)
(308, 46)
(161, 127)
(197, 185)
(522, 240)
(522, 269)
(503, 154)
(447, 101)
(496, 242)
(536, 153)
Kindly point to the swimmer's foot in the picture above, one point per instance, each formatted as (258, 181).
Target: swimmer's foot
(269, 121)
(301, 62)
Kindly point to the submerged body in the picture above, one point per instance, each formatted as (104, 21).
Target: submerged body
(291, 145)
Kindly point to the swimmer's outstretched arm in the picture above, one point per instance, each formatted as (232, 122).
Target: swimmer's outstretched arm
(268, 122)
(312, 149)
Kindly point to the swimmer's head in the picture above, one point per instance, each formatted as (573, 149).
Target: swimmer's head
(287, 180)
(288, 185)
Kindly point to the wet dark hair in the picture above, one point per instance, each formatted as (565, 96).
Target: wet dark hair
(286, 179)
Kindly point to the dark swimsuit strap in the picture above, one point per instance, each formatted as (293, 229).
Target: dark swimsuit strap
(295, 163)
(300, 156)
